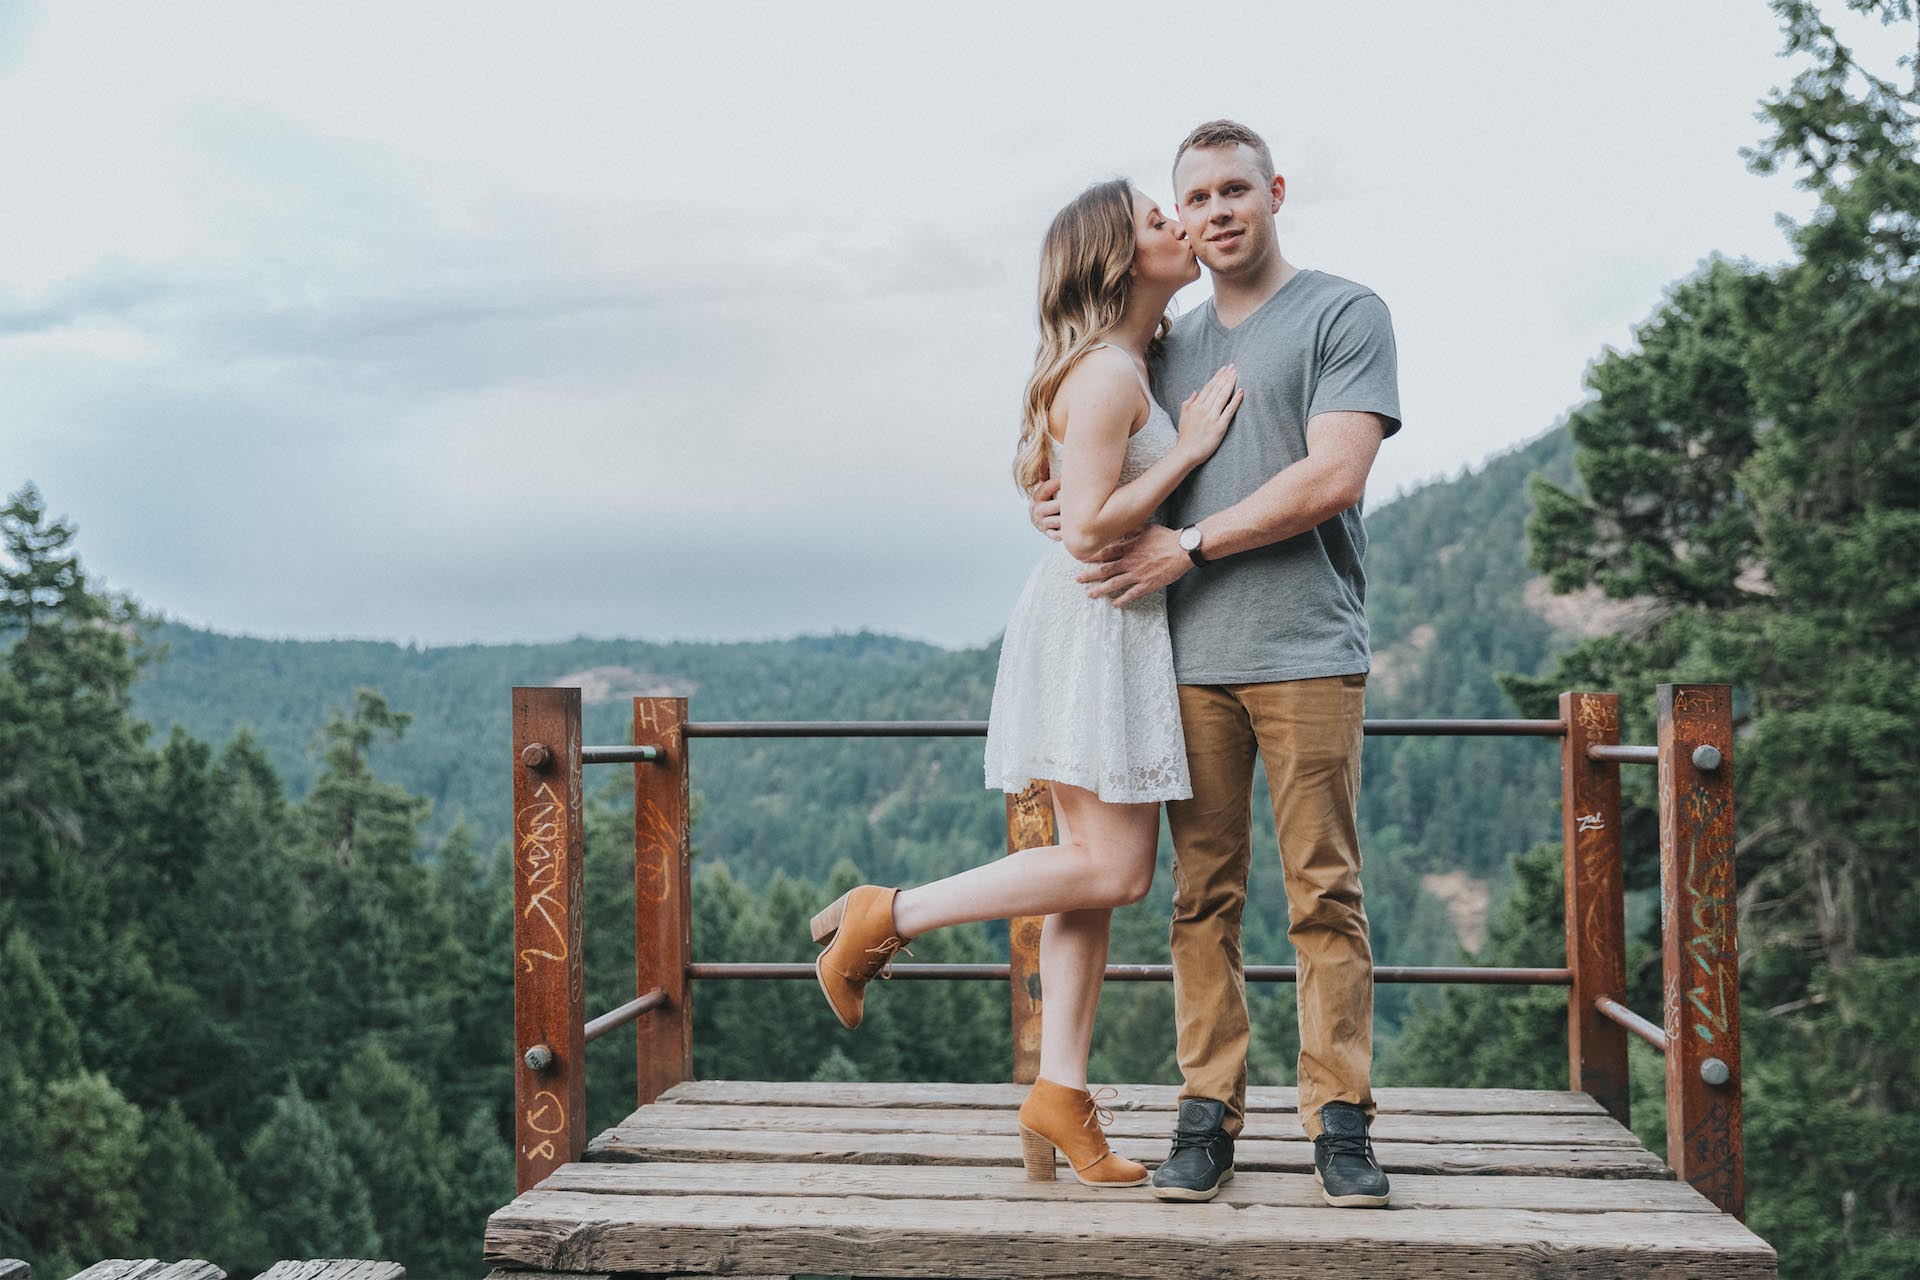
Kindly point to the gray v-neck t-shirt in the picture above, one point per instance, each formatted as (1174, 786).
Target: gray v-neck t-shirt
(1296, 609)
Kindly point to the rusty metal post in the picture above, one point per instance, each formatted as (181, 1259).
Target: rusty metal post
(549, 986)
(1700, 943)
(1030, 825)
(662, 899)
(1596, 904)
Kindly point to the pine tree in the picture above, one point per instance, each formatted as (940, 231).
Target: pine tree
(388, 1127)
(190, 1203)
(1753, 476)
(305, 1194)
(85, 1142)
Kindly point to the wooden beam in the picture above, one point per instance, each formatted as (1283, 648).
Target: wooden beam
(1294, 1155)
(984, 1182)
(1596, 903)
(1133, 1097)
(662, 897)
(1515, 1130)
(1700, 943)
(1131, 1238)
(1030, 825)
(549, 985)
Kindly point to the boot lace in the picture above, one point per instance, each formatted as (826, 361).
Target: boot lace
(889, 949)
(1095, 1111)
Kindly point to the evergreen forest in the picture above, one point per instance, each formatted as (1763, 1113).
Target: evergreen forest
(255, 912)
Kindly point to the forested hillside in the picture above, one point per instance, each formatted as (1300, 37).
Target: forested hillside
(1448, 599)
(256, 918)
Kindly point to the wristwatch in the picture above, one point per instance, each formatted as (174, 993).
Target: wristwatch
(1190, 543)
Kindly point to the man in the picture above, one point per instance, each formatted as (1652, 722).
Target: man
(1262, 557)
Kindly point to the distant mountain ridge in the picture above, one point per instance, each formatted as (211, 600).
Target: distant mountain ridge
(1447, 600)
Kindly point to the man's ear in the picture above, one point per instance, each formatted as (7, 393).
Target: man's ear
(1279, 192)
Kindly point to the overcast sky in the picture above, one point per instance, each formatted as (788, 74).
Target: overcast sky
(459, 322)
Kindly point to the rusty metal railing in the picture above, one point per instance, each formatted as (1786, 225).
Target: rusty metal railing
(1700, 993)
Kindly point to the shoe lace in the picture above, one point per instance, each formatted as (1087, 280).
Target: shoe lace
(889, 949)
(1193, 1140)
(1349, 1144)
(1095, 1111)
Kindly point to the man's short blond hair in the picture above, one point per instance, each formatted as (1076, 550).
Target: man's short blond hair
(1227, 133)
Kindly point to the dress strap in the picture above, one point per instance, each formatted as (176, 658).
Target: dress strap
(1136, 368)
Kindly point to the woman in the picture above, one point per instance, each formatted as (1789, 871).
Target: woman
(1085, 695)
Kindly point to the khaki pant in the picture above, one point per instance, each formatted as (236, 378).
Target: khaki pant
(1307, 733)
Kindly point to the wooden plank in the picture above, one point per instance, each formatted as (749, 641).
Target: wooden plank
(1030, 825)
(1132, 1237)
(1282, 1156)
(1700, 949)
(501, 1273)
(1133, 1097)
(1518, 1130)
(549, 986)
(335, 1269)
(1596, 905)
(148, 1269)
(963, 1182)
(662, 901)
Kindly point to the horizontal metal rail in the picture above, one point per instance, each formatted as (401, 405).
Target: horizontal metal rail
(619, 755)
(1624, 754)
(978, 729)
(1611, 1008)
(836, 728)
(1463, 728)
(1471, 974)
(626, 1013)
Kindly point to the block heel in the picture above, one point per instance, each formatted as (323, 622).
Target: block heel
(827, 923)
(1037, 1154)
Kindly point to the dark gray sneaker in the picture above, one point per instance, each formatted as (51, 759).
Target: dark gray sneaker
(1202, 1157)
(1343, 1161)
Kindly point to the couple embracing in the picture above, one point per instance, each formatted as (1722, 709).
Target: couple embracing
(1206, 603)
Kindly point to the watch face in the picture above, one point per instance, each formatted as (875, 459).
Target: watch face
(1190, 538)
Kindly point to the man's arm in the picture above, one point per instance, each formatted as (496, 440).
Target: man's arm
(1341, 447)
(1332, 477)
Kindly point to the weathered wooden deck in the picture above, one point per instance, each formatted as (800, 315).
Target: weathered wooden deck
(899, 1180)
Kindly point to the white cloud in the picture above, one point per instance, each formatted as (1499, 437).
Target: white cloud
(450, 322)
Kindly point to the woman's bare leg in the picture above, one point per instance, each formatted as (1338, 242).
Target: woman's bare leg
(1073, 964)
(1105, 861)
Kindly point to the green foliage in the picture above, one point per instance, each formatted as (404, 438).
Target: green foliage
(307, 1198)
(1517, 1039)
(1752, 474)
(389, 1130)
(190, 1203)
(85, 1138)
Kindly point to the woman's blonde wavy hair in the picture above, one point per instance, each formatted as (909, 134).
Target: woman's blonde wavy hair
(1085, 283)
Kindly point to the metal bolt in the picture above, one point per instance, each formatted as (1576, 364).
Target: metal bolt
(1706, 757)
(539, 1058)
(536, 755)
(1714, 1071)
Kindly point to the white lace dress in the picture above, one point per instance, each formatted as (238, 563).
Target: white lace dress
(1085, 693)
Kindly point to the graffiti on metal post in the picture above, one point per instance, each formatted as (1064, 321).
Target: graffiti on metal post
(547, 1116)
(650, 874)
(1598, 718)
(1709, 938)
(1711, 1157)
(541, 829)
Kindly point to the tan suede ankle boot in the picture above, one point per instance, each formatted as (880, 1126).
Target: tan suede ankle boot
(1055, 1116)
(858, 931)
